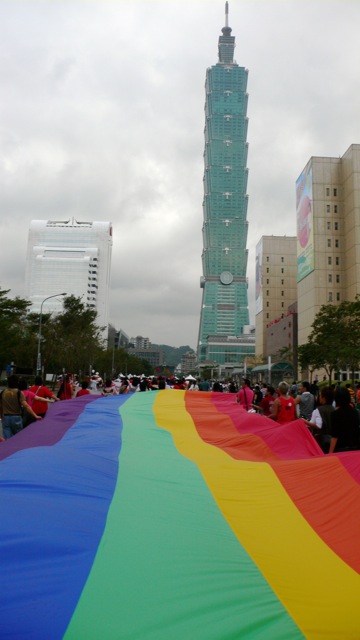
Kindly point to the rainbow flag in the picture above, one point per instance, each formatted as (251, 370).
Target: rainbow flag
(176, 515)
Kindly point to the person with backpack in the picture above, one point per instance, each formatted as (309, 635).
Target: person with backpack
(12, 404)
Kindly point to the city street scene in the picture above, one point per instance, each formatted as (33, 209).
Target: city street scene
(180, 320)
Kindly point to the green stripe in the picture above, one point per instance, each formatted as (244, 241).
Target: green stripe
(168, 566)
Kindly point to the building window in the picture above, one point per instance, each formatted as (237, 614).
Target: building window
(336, 226)
(335, 192)
(282, 270)
(267, 316)
(282, 281)
(335, 208)
(337, 244)
(329, 242)
(338, 297)
(328, 226)
(282, 259)
(337, 278)
(329, 277)
(268, 304)
(282, 293)
(282, 306)
(267, 258)
(337, 261)
(267, 280)
(267, 269)
(327, 208)
(329, 260)
(327, 191)
(267, 292)
(330, 296)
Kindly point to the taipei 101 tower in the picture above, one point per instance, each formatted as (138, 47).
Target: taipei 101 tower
(224, 333)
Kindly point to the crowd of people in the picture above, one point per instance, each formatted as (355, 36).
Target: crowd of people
(331, 413)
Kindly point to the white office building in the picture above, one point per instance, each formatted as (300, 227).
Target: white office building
(69, 257)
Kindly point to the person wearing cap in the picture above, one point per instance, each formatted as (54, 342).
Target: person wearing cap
(245, 396)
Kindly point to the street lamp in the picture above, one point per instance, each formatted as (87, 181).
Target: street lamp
(38, 365)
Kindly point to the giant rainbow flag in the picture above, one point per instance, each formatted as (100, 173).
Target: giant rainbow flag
(176, 515)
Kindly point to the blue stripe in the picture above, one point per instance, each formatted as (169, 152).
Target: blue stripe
(53, 508)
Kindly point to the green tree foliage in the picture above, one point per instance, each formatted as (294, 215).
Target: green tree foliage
(334, 342)
(310, 356)
(350, 335)
(14, 329)
(70, 341)
(72, 338)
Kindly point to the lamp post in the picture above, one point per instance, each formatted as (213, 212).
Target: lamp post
(38, 364)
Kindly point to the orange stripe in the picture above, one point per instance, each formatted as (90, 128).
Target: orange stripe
(317, 486)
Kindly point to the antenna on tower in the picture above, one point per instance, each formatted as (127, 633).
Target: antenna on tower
(226, 14)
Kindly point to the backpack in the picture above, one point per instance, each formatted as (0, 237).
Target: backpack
(22, 410)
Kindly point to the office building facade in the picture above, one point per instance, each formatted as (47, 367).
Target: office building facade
(328, 235)
(224, 313)
(276, 285)
(72, 257)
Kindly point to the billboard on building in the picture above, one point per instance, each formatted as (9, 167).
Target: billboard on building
(304, 222)
(258, 278)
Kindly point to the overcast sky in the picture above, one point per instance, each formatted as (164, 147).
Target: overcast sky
(101, 118)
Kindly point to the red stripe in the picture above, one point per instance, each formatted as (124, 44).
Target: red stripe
(319, 486)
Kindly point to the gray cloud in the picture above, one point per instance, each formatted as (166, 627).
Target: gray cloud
(101, 117)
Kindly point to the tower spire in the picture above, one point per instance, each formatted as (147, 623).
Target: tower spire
(226, 30)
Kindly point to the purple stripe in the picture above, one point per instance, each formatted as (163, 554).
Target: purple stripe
(44, 433)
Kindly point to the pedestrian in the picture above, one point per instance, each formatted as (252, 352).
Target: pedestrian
(305, 401)
(31, 398)
(284, 405)
(204, 385)
(84, 391)
(344, 424)
(42, 391)
(245, 395)
(66, 390)
(12, 404)
(109, 388)
(320, 422)
(266, 404)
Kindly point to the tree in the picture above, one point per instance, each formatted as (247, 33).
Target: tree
(311, 357)
(72, 339)
(349, 346)
(334, 342)
(14, 329)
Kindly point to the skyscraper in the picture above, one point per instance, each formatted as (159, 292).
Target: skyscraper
(328, 234)
(72, 257)
(224, 335)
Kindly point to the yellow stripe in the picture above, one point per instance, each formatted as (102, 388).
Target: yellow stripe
(319, 591)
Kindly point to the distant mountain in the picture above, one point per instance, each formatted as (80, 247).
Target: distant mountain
(172, 354)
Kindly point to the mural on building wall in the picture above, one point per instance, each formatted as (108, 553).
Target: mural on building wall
(258, 278)
(304, 222)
